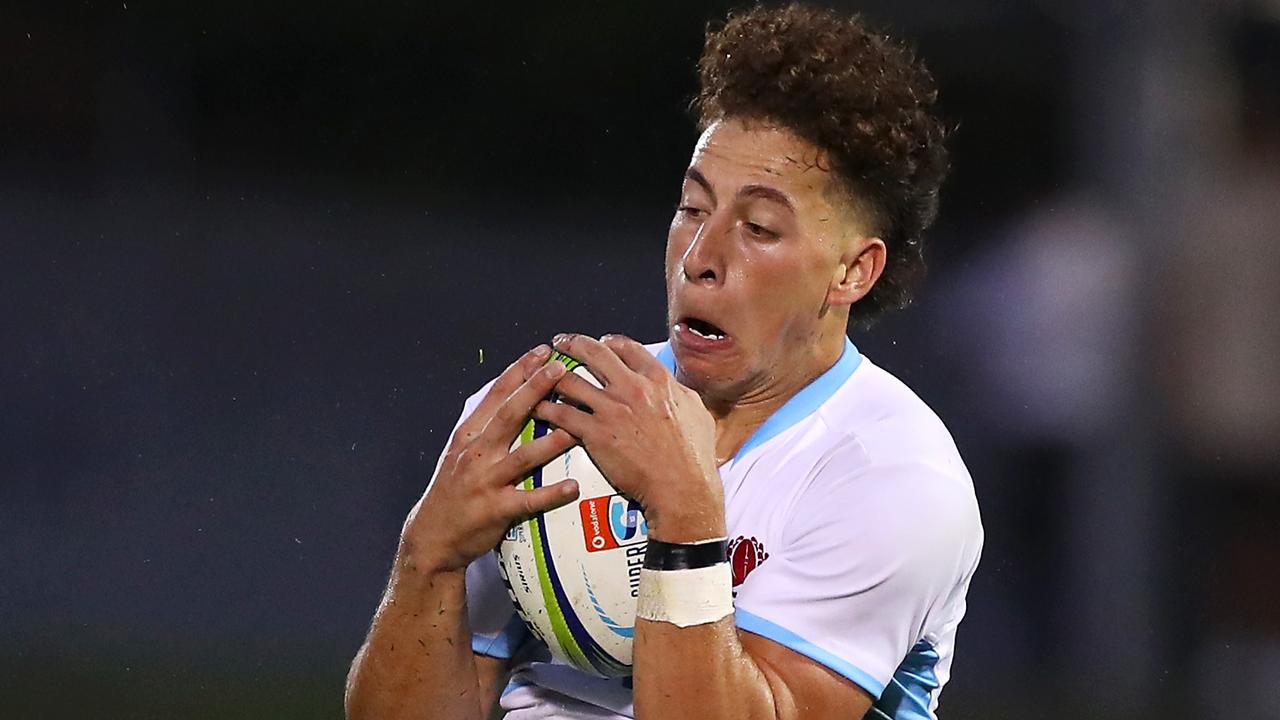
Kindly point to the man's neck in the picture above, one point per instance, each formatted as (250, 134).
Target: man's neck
(734, 428)
(736, 422)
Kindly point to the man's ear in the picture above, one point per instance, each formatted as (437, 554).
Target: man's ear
(860, 267)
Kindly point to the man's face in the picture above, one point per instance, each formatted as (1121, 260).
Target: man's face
(756, 244)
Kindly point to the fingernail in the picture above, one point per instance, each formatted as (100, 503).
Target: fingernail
(555, 369)
(542, 352)
(560, 339)
(605, 336)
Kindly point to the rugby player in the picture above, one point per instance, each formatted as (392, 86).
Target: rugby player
(850, 518)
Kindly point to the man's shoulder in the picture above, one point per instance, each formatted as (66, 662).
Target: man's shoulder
(872, 444)
(880, 452)
(888, 420)
(877, 446)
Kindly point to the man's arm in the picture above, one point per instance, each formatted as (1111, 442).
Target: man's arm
(717, 671)
(417, 661)
(753, 677)
(724, 672)
(385, 683)
(709, 671)
(492, 673)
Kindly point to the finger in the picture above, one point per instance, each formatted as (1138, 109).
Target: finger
(635, 356)
(579, 391)
(600, 360)
(506, 383)
(519, 462)
(566, 417)
(521, 504)
(513, 413)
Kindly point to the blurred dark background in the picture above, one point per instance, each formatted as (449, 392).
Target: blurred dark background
(253, 256)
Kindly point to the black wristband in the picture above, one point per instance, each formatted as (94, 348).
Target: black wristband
(684, 556)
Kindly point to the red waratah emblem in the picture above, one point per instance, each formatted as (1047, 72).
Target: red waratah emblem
(745, 554)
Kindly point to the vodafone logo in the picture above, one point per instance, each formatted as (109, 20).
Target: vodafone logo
(612, 522)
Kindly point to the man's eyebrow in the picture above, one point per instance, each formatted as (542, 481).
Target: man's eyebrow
(759, 191)
(694, 175)
(767, 193)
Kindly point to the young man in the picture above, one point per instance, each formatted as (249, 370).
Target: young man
(853, 522)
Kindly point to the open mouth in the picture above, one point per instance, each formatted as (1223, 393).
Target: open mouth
(703, 329)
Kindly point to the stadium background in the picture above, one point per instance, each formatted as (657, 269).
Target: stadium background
(254, 255)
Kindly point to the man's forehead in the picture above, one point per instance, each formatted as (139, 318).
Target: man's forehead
(759, 148)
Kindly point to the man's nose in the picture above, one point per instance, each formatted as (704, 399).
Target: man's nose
(703, 260)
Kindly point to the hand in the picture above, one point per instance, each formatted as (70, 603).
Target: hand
(651, 436)
(472, 499)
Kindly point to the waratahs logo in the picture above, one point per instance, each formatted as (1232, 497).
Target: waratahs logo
(612, 522)
(745, 555)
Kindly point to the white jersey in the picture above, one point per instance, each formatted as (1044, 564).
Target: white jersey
(853, 532)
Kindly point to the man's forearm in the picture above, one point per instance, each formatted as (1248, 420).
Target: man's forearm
(417, 660)
(702, 670)
(698, 672)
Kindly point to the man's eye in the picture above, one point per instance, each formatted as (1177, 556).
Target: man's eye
(759, 231)
(691, 211)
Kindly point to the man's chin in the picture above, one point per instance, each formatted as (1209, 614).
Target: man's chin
(713, 380)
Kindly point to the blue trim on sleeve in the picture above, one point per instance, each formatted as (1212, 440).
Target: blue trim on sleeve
(801, 405)
(503, 645)
(759, 626)
(910, 692)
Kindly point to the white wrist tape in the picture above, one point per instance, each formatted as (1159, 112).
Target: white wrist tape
(686, 597)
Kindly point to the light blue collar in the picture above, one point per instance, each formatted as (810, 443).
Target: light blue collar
(799, 406)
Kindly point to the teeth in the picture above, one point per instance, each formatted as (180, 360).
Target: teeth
(709, 336)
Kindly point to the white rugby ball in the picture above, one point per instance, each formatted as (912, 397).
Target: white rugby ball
(574, 572)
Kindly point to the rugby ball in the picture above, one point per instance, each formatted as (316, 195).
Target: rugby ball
(573, 573)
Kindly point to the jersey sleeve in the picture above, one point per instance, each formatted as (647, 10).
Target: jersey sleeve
(865, 559)
(496, 629)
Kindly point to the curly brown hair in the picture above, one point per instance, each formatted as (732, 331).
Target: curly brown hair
(862, 97)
